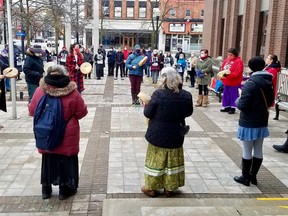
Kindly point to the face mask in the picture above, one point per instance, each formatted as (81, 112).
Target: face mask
(125, 48)
(202, 55)
(180, 57)
(137, 52)
(77, 49)
(4, 55)
(37, 54)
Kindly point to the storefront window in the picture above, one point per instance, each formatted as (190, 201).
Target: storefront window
(130, 12)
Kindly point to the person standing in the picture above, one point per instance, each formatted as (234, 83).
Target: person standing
(284, 147)
(119, 63)
(149, 55)
(177, 56)
(135, 72)
(111, 55)
(33, 68)
(88, 57)
(167, 110)
(73, 63)
(2, 89)
(256, 97)
(99, 59)
(4, 63)
(231, 80)
(191, 69)
(180, 67)
(203, 70)
(60, 166)
(63, 56)
(155, 66)
(168, 60)
(126, 54)
(273, 66)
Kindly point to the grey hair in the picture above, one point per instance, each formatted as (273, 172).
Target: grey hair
(56, 70)
(170, 79)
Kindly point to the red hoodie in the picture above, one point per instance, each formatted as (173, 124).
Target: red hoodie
(236, 67)
(126, 54)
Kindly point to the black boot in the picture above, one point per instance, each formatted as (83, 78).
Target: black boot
(245, 177)
(284, 147)
(256, 164)
(133, 97)
(46, 192)
(65, 192)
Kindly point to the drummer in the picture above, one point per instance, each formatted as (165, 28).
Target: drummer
(2, 94)
(135, 72)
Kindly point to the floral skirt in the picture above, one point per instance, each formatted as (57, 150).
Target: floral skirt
(164, 168)
(60, 170)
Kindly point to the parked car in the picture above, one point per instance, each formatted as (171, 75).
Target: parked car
(51, 42)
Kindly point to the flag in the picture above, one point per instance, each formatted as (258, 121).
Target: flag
(1, 4)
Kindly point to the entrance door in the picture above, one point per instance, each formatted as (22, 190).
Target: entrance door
(128, 41)
(186, 45)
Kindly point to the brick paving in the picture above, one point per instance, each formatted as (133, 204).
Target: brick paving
(113, 151)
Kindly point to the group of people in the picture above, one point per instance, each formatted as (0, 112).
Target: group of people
(170, 104)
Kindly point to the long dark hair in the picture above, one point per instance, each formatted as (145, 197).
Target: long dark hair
(275, 61)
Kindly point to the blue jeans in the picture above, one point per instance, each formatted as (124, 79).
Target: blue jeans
(155, 75)
(148, 70)
(7, 84)
(31, 90)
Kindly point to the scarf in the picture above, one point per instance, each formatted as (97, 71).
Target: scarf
(59, 81)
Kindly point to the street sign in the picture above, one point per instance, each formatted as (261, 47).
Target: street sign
(20, 34)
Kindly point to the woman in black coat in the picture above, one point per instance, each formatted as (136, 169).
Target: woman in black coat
(166, 111)
(257, 96)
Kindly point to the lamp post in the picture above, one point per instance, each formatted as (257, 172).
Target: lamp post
(22, 30)
(157, 32)
(77, 21)
(4, 24)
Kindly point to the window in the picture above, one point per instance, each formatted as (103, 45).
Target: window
(89, 9)
(188, 13)
(202, 13)
(118, 11)
(142, 9)
(105, 8)
(130, 12)
(172, 12)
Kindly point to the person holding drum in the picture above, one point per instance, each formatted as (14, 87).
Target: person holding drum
(2, 93)
(135, 71)
(73, 63)
(33, 68)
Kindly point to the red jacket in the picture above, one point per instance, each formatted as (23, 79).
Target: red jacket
(236, 67)
(274, 71)
(126, 54)
(72, 72)
(74, 109)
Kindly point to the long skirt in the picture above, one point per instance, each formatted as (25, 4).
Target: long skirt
(164, 168)
(60, 170)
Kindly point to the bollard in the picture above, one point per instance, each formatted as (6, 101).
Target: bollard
(21, 96)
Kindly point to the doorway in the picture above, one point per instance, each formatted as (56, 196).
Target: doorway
(128, 41)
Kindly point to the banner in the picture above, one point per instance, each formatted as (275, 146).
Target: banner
(1, 5)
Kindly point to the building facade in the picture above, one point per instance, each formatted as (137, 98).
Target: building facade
(129, 22)
(253, 27)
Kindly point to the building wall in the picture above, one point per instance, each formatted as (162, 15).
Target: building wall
(276, 31)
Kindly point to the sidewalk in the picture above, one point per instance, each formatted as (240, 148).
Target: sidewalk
(112, 158)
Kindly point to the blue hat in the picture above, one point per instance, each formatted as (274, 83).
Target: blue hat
(136, 47)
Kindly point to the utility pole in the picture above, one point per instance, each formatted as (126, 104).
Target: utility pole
(157, 32)
(4, 24)
(77, 21)
(95, 35)
(22, 31)
(11, 59)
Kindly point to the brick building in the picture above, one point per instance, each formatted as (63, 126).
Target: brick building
(254, 27)
(130, 22)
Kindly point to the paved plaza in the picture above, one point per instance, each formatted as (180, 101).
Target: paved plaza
(112, 155)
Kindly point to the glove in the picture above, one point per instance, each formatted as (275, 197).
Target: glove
(199, 73)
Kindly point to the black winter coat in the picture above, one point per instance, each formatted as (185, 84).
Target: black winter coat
(166, 110)
(252, 105)
(33, 69)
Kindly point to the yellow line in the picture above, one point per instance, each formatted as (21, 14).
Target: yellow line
(272, 199)
(284, 207)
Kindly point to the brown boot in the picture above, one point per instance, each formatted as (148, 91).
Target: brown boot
(151, 193)
(205, 101)
(199, 101)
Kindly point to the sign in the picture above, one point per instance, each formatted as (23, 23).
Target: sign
(177, 27)
(20, 34)
(1, 4)
(196, 27)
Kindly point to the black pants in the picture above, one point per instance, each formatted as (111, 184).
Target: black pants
(121, 69)
(192, 77)
(203, 88)
(111, 69)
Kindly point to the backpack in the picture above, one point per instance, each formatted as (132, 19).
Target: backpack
(49, 124)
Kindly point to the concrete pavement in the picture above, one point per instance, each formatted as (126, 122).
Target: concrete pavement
(112, 157)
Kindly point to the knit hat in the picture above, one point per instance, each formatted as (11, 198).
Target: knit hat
(56, 76)
(136, 47)
(256, 64)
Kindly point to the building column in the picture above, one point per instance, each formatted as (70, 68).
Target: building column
(161, 40)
